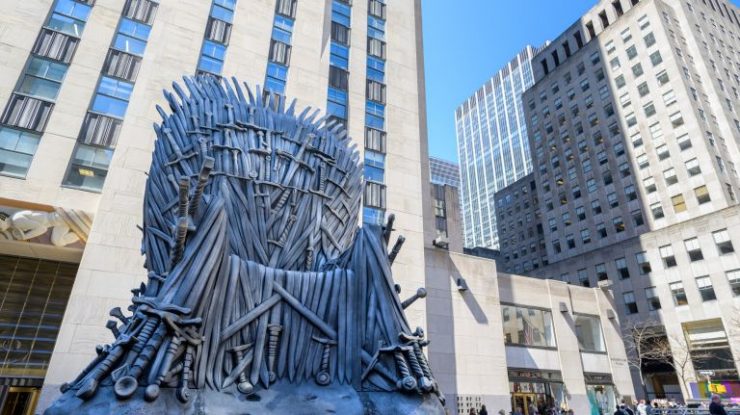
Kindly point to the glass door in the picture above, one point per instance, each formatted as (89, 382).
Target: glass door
(521, 403)
(19, 401)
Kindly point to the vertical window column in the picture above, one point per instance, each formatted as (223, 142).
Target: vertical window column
(336, 106)
(25, 116)
(280, 46)
(216, 39)
(99, 133)
(375, 101)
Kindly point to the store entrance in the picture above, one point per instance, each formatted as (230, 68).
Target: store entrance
(18, 400)
(521, 402)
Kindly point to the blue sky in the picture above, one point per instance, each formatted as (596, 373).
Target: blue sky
(466, 41)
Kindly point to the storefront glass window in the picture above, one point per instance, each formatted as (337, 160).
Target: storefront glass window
(588, 332)
(527, 326)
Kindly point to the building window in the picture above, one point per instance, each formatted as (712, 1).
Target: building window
(679, 294)
(652, 299)
(642, 161)
(656, 58)
(637, 70)
(585, 236)
(16, 151)
(657, 210)
(596, 207)
(666, 254)
(692, 166)
(662, 77)
(88, 168)
(684, 142)
(630, 192)
(643, 89)
(630, 305)
(588, 333)
(679, 204)
(620, 82)
(618, 224)
(702, 194)
(42, 78)
(375, 195)
(649, 184)
(694, 249)
(132, 37)
(583, 277)
(601, 230)
(637, 218)
(601, 272)
(649, 39)
(676, 119)
(704, 283)
(571, 241)
(612, 199)
(622, 268)
(212, 57)
(733, 276)
(374, 166)
(69, 17)
(525, 326)
(642, 263)
(723, 242)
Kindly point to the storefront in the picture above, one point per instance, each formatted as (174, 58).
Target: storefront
(33, 297)
(540, 389)
(602, 396)
(40, 247)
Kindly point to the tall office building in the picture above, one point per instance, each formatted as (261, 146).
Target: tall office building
(444, 172)
(635, 140)
(492, 146)
(79, 81)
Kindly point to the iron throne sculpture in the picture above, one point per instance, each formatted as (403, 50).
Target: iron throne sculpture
(263, 294)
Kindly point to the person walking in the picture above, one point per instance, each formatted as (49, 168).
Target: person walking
(716, 407)
(483, 410)
(642, 408)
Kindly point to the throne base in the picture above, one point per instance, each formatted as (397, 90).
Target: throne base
(281, 399)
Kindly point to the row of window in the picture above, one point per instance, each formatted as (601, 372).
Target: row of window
(30, 105)
(216, 38)
(678, 292)
(375, 101)
(579, 39)
(99, 133)
(525, 326)
(280, 46)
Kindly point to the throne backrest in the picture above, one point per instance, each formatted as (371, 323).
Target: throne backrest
(292, 184)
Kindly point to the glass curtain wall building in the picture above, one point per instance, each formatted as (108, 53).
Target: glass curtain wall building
(492, 146)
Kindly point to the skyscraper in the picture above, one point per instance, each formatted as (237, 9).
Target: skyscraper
(492, 146)
(634, 133)
(79, 85)
(444, 172)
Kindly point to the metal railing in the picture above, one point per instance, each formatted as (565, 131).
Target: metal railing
(691, 411)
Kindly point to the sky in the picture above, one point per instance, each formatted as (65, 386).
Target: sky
(467, 41)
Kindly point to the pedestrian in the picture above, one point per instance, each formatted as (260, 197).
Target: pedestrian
(620, 410)
(533, 409)
(472, 411)
(716, 407)
(483, 410)
(642, 408)
(627, 409)
(518, 411)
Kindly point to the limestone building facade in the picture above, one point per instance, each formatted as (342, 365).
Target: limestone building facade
(635, 139)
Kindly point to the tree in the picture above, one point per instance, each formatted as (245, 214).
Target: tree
(647, 343)
(637, 338)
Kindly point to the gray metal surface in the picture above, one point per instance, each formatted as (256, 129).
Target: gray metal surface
(259, 276)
